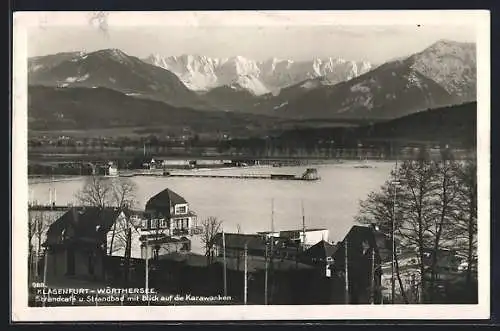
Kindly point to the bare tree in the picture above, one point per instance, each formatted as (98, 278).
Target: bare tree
(123, 192)
(38, 225)
(435, 205)
(96, 192)
(119, 233)
(43, 224)
(413, 206)
(444, 203)
(120, 193)
(466, 217)
(122, 196)
(416, 204)
(379, 208)
(103, 192)
(32, 224)
(210, 227)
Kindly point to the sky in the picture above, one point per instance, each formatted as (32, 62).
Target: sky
(296, 40)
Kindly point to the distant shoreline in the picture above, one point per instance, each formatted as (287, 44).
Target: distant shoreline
(40, 179)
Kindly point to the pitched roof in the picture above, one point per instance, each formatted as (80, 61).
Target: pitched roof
(238, 241)
(164, 200)
(358, 236)
(85, 223)
(321, 250)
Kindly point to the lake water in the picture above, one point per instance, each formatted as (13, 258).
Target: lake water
(332, 202)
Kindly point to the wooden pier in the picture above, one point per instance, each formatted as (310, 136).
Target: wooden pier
(309, 175)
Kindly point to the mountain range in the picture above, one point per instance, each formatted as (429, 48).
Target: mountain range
(440, 75)
(201, 73)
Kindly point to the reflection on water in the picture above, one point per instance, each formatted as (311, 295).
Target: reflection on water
(331, 202)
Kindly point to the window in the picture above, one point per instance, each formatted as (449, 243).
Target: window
(328, 272)
(155, 223)
(164, 223)
(181, 209)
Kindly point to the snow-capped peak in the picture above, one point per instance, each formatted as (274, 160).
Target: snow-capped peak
(202, 73)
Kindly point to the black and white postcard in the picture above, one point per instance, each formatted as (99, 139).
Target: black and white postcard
(250, 165)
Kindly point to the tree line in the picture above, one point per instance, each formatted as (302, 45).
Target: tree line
(429, 207)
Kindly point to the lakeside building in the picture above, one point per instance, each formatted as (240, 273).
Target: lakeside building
(170, 213)
(361, 253)
(92, 243)
(367, 248)
(282, 245)
(165, 226)
(76, 243)
(258, 246)
(79, 240)
(320, 255)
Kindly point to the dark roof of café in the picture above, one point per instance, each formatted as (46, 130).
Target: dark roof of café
(165, 199)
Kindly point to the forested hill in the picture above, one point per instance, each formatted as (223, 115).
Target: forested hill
(447, 125)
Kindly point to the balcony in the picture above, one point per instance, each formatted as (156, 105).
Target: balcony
(180, 232)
